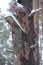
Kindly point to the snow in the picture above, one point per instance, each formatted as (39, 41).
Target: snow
(34, 11)
(19, 5)
(4, 5)
(1, 46)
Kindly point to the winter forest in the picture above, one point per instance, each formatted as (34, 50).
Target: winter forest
(21, 32)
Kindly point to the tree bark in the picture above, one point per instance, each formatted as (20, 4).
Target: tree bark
(28, 57)
(36, 21)
(31, 36)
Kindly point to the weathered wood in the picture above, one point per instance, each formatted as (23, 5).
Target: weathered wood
(10, 21)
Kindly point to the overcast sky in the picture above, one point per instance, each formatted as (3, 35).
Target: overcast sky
(4, 4)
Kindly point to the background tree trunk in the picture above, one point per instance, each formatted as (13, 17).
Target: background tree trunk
(36, 23)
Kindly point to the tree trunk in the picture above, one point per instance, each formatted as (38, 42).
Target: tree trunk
(41, 13)
(36, 21)
(31, 36)
(27, 57)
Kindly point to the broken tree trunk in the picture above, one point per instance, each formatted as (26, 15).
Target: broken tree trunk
(31, 36)
(28, 55)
